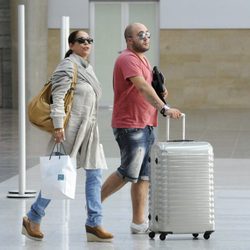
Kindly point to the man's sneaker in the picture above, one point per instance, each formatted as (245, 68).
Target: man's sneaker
(139, 228)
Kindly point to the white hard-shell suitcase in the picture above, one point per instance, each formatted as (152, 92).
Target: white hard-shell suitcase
(181, 196)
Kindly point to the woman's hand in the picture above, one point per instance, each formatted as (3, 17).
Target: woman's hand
(59, 135)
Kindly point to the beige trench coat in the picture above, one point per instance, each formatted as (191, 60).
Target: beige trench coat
(81, 133)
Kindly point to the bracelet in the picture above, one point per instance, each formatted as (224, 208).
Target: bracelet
(164, 109)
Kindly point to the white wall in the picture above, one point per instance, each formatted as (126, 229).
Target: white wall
(185, 14)
(77, 10)
(174, 14)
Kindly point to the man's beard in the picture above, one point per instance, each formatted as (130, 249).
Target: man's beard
(138, 48)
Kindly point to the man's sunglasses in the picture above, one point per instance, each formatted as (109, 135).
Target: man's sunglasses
(142, 35)
(84, 40)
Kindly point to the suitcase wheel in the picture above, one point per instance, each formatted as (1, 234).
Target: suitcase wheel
(207, 235)
(163, 236)
(151, 235)
(195, 236)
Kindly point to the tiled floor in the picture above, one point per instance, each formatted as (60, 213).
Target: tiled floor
(227, 130)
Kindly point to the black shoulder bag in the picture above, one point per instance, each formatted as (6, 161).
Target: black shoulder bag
(158, 83)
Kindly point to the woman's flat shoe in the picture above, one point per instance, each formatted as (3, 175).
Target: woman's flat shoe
(31, 231)
(98, 234)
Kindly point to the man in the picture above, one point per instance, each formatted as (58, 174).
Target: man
(134, 116)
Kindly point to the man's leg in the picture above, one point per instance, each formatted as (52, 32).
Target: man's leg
(112, 184)
(139, 195)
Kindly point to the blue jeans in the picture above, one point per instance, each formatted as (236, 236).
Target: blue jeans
(93, 199)
(135, 145)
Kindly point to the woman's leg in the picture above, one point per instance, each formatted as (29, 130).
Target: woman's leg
(31, 223)
(94, 230)
(93, 197)
(37, 210)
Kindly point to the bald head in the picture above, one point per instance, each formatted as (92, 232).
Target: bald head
(132, 29)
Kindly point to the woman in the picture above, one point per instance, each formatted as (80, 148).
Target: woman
(80, 138)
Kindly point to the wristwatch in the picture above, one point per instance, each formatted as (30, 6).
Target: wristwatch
(164, 109)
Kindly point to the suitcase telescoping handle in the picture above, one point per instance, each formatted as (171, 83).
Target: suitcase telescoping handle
(183, 117)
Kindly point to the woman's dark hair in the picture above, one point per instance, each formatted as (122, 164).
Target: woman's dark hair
(71, 39)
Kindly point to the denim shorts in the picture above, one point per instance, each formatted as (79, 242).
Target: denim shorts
(135, 145)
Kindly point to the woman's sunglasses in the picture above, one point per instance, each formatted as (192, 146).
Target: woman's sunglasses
(84, 40)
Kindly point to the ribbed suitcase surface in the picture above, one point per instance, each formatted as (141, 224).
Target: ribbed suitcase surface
(181, 196)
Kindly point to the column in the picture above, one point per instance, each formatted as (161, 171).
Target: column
(36, 26)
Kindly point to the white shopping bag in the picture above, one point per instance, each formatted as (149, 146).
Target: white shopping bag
(58, 177)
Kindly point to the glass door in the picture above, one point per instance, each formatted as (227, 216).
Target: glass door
(107, 23)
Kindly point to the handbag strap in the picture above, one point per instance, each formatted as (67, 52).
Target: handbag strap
(74, 80)
(73, 83)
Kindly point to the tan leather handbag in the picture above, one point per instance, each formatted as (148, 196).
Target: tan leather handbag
(39, 106)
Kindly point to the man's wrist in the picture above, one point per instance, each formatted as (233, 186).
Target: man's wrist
(164, 109)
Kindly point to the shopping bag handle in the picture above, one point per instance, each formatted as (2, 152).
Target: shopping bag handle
(60, 150)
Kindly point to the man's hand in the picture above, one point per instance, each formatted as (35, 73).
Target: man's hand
(173, 113)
